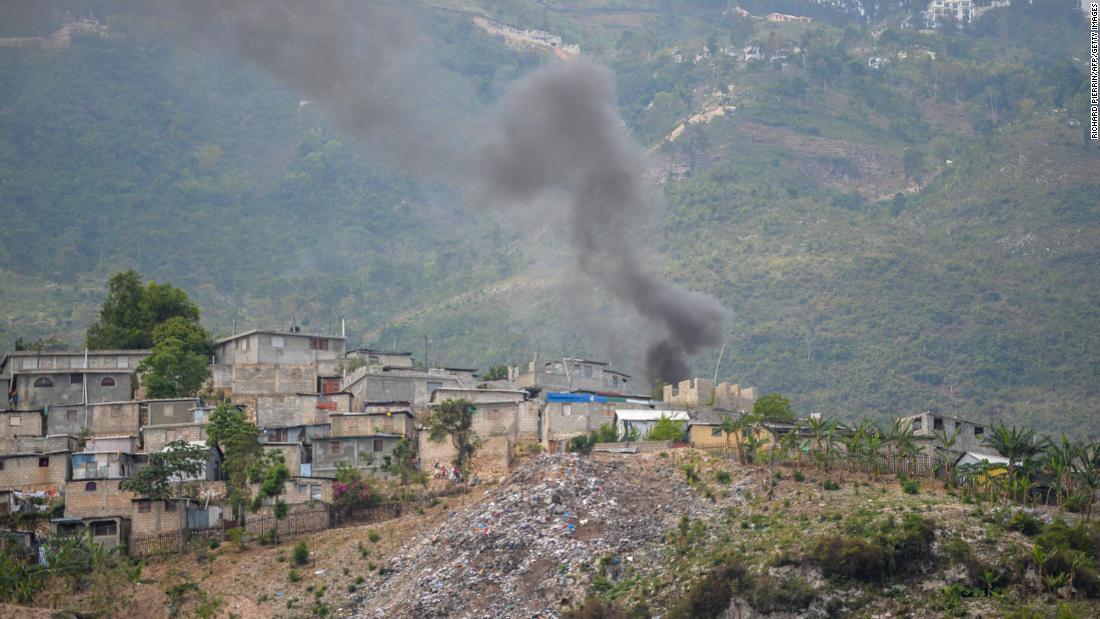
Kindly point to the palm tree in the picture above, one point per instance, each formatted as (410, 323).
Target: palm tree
(944, 459)
(901, 435)
(872, 447)
(728, 427)
(1087, 473)
(1014, 444)
(819, 427)
(853, 444)
(1058, 461)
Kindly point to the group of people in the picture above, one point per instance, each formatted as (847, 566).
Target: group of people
(452, 473)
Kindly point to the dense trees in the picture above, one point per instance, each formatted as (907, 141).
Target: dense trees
(157, 316)
(132, 311)
(454, 419)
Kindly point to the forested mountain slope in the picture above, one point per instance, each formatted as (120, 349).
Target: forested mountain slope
(865, 274)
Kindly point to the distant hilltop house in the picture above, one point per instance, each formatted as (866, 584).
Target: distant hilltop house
(703, 393)
(62, 38)
(538, 39)
(958, 12)
(783, 17)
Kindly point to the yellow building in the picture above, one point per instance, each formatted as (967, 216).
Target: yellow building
(709, 435)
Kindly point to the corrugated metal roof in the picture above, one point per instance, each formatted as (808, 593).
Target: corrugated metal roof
(651, 415)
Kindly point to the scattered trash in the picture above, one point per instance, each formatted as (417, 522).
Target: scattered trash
(537, 538)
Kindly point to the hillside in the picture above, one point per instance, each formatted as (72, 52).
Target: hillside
(865, 275)
(640, 535)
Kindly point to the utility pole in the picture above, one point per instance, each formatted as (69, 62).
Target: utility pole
(425, 351)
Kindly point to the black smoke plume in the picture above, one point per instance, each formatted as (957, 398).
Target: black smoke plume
(555, 130)
(560, 128)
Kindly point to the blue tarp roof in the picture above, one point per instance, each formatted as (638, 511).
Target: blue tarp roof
(556, 396)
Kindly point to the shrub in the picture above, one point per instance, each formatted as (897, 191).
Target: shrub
(666, 430)
(1025, 523)
(850, 557)
(711, 596)
(237, 536)
(359, 580)
(595, 608)
(910, 486)
(373, 536)
(911, 543)
(301, 553)
(798, 475)
(829, 484)
(293, 576)
(582, 444)
(769, 595)
(722, 477)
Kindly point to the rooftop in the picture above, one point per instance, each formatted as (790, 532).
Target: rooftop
(238, 336)
(651, 415)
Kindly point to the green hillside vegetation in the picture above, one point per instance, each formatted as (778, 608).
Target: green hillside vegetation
(866, 275)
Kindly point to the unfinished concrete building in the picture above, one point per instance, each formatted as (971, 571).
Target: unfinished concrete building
(413, 385)
(703, 393)
(569, 374)
(276, 362)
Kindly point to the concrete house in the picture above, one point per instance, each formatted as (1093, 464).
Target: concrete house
(15, 424)
(568, 414)
(703, 393)
(107, 531)
(413, 385)
(365, 424)
(971, 435)
(212, 468)
(501, 419)
(264, 361)
(39, 379)
(174, 411)
(44, 444)
(105, 418)
(96, 498)
(366, 453)
(297, 456)
(288, 410)
(34, 471)
(642, 421)
(166, 421)
(370, 356)
(575, 375)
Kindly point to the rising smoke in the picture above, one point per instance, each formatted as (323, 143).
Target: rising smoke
(560, 128)
(555, 130)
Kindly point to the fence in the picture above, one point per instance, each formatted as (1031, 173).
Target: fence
(920, 465)
(293, 525)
